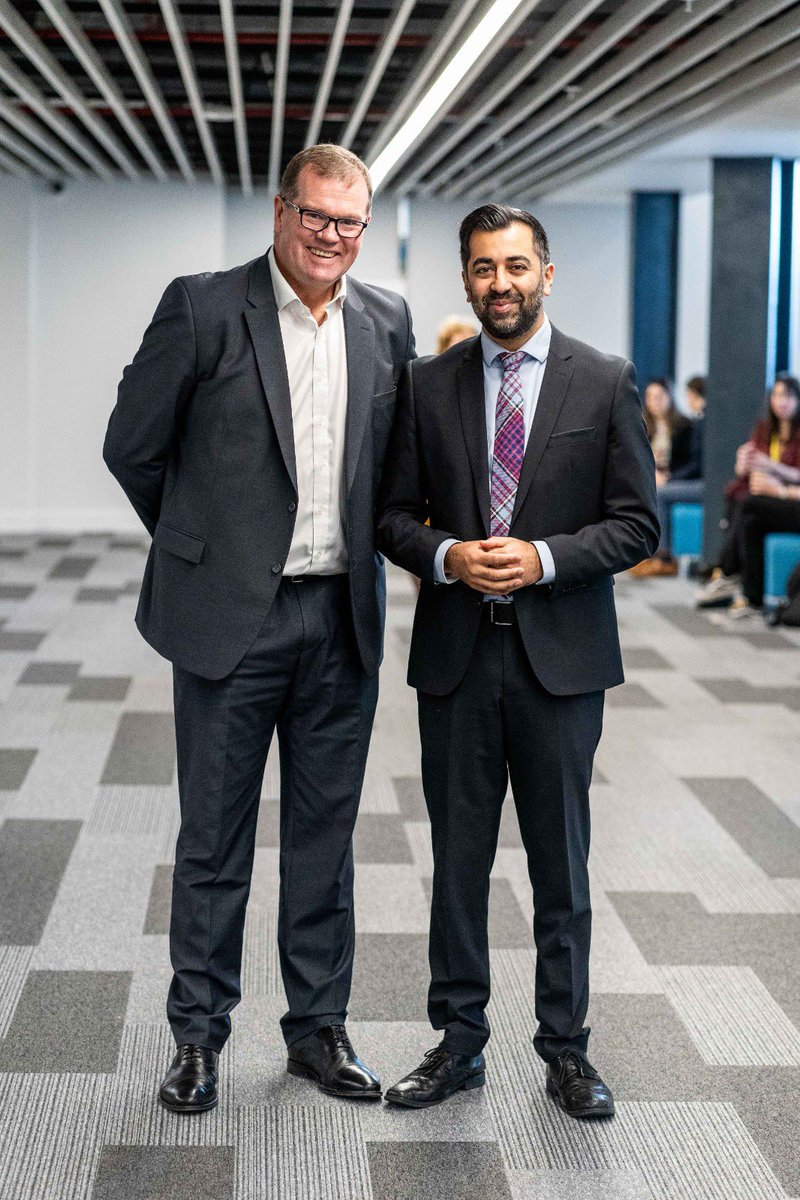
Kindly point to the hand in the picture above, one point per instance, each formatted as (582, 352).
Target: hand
(763, 484)
(661, 477)
(745, 456)
(495, 567)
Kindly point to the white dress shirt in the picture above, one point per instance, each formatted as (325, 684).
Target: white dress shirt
(316, 363)
(531, 372)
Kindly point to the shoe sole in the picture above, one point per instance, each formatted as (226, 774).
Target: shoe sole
(722, 602)
(188, 1108)
(591, 1113)
(474, 1081)
(303, 1072)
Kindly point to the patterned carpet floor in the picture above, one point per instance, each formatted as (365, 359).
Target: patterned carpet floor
(696, 965)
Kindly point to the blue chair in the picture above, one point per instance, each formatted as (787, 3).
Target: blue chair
(781, 556)
(686, 521)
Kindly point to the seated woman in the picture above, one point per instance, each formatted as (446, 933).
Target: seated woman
(764, 498)
(678, 450)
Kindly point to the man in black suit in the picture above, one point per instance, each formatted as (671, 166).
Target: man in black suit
(249, 434)
(527, 452)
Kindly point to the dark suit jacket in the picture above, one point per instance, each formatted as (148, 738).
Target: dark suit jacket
(201, 441)
(587, 486)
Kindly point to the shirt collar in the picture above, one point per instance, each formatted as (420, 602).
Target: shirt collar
(285, 293)
(537, 347)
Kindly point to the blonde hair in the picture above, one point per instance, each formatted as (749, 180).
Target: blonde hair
(448, 329)
(328, 160)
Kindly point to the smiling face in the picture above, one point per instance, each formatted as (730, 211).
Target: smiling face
(657, 400)
(505, 283)
(313, 262)
(783, 402)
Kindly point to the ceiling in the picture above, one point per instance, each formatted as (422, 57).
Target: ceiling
(231, 89)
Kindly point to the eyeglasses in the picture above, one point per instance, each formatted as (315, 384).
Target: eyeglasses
(346, 227)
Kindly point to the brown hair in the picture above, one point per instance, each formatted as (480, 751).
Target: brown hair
(451, 326)
(328, 160)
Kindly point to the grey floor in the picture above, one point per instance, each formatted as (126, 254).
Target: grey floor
(695, 864)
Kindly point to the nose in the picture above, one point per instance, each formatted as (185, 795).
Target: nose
(329, 234)
(501, 282)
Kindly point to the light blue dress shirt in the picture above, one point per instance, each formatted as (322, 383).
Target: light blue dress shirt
(531, 371)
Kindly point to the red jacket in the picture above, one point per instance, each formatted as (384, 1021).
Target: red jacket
(738, 488)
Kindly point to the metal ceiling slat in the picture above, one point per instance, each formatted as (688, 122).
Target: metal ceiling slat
(687, 85)
(559, 26)
(237, 95)
(380, 62)
(71, 31)
(454, 20)
(137, 61)
(279, 94)
(24, 150)
(13, 167)
(329, 72)
(671, 66)
(35, 98)
(765, 77)
(48, 66)
(180, 47)
(508, 28)
(39, 137)
(616, 26)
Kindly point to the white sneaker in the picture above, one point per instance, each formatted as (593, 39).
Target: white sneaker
(741, 609)
(720, 591)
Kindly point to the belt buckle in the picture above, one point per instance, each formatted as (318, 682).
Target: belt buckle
(495, 609)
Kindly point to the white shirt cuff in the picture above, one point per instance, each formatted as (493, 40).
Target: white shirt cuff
(438, 562)
(548, 565)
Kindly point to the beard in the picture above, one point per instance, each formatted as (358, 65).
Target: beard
(516, 323)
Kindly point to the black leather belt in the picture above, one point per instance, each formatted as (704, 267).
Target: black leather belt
(497, 613)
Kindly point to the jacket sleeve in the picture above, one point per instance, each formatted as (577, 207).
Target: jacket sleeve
(402, 534)
(151, 395)
(628, 531)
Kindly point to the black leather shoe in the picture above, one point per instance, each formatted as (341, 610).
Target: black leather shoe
(327, 1057)
(577, 1088)
(190, 1084)
(439, 1075)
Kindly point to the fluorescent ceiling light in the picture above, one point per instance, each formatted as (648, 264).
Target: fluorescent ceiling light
(439, 91)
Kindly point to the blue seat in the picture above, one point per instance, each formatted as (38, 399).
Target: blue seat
(781, 556)
(687, 529)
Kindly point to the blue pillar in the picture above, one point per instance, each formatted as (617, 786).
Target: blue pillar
(655, 283)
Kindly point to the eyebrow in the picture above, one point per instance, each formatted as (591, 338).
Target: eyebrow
(313, 208)
(520, 258)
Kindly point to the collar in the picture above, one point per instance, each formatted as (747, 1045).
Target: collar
(537, 347)
(285, 293)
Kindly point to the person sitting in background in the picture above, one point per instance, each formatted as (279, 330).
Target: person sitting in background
(763, 498)
(452, 331)
(677, 449)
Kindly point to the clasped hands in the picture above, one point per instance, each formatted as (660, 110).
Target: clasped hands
(494, 566)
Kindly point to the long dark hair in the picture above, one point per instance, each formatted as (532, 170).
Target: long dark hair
(770, 422)
(673, 416)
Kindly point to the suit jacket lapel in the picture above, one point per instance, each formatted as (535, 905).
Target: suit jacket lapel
(359, 336)
(472, 403)
(265, 330)
(557, 374)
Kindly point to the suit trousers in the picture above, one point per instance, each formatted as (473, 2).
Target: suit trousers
(304, 676)
(500, 722)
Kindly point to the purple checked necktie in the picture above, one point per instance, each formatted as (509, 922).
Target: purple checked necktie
(509, 444)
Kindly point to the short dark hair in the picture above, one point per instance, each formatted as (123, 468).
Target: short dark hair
(490, 217)
(697, 383)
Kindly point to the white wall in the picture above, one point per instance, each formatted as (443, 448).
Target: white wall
(694, 289)
(82, 270)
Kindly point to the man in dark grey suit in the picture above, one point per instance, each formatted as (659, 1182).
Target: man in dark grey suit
(527, 452)
(249, 435)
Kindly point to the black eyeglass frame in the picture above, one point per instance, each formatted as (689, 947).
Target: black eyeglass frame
(351, 237)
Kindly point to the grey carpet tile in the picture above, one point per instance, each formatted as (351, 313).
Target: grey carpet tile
(632, 695)
(160, 901)
(134, 1116)
(410, 798)
(261, 975)
(380, 838)
(378, 794)
(447, 1170)
(55, 543)
(98, 687)
(740, 691)
(50, 674)
(301, 1153)
(14, 766)
(164, 1173)
(390, 898)
(143, 751)
(15, 591)
(50, 1130)
(388, 984)
(644, 658)
(97, 595)
(67, 1021)
(20, 641)
(419, 839)
(33, 858)
(72, 567)
(579, 1185)
(269, 823)
(763, 830)
(15, 963)
(134, 811)
(695, 622)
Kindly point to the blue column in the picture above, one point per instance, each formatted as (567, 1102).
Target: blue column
(655, 283)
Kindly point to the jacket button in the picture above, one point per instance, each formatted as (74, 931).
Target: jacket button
(291, 506)
(276, 568)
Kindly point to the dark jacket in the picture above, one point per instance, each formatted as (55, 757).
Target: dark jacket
(201, 441)
(587, 487)
(687, 451)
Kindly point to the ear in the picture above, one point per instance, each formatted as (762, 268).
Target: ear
(548, 278)
(277, 209)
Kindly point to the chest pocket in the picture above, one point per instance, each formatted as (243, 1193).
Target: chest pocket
(569, 437)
